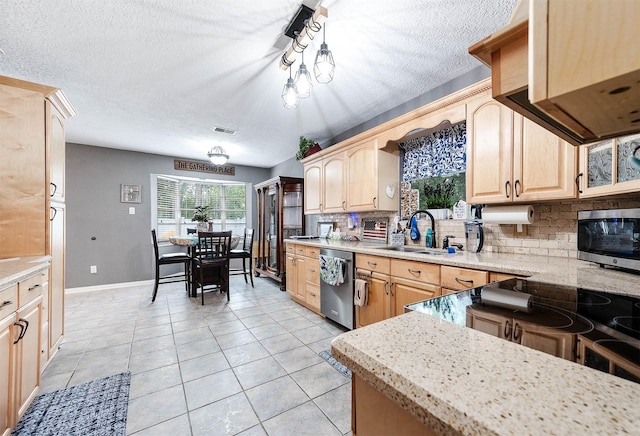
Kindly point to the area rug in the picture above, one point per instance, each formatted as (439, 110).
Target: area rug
(97, 408)
(326, 355)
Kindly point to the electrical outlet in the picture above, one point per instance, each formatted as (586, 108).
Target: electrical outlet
(132, 211)
(94, 269)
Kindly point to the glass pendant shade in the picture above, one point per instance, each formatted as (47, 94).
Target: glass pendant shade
(324, 66)
(289, 94)
(217, 155)
(303, 81)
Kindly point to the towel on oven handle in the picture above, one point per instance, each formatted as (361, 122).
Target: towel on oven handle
(361, 293)
(332, 270)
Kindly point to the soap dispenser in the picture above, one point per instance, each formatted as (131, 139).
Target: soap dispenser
(415, 233)
(428, 240)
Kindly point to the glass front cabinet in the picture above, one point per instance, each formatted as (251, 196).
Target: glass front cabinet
(610, 167)
(280, 216)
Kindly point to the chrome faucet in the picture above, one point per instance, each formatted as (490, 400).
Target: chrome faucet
(433, 225)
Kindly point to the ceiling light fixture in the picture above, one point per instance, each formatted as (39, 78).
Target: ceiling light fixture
(301, 28)
(218, 156)
(303, 80)
(324, 65)
(289, 93)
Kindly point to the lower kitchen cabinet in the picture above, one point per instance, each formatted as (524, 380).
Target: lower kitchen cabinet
(454, 279)
(535, 336)
(375, 270)
(373, 413)
(603, 359)
(303, 275)
(27, 356)
(6, 376)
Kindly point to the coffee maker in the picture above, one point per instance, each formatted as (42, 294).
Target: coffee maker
(475, 236)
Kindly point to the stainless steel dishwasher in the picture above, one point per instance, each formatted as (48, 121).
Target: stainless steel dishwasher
(336, 302)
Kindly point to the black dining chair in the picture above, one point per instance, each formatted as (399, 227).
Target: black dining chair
(212, 261)
(169, 259)
(244, 253)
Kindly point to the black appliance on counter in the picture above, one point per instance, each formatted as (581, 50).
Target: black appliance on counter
(597, 329)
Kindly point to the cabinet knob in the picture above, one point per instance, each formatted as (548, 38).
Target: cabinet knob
(507, 188)
(55, 188)
(578, 182)
(515, 188)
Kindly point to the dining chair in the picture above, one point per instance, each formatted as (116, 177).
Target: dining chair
(192, 231)
(244, 253)
(212, 261)
(169, 259)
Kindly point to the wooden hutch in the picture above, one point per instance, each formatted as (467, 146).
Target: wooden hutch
(280, 216)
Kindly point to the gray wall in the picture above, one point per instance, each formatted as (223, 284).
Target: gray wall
(290, 167)
(122, 249)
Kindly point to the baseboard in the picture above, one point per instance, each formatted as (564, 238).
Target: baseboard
(107, 287)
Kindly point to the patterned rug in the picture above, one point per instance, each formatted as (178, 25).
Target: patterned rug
(97, 408)
(326, 355)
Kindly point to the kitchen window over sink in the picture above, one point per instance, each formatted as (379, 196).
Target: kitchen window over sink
(433, 167)
(174, 200)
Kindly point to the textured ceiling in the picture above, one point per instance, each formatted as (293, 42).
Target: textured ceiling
(158, 76)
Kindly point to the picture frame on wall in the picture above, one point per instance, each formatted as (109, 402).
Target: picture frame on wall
(130, 193)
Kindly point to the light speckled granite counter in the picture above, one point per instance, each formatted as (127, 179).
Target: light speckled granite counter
(562, 270)
(461, 381)
(16, 268)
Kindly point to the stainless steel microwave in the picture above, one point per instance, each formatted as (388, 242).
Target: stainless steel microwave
(610, 237)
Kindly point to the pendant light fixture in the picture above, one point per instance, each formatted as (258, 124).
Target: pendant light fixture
(289, 93)
(324, 65)
(303, 80)
(218, 156)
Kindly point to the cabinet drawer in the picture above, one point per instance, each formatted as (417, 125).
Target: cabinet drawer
(300, 249)
(8, 300)
(312, 271)
(423, 272)
(31, 288)
(313, 252)
(313, 295)
(373, 263)
(461, 278)
(291, 248)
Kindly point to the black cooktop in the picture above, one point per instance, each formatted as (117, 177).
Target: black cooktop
(597, 329)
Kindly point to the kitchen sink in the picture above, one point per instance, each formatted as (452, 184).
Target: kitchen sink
(417, 250)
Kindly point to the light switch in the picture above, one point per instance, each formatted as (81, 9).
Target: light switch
(132, 211)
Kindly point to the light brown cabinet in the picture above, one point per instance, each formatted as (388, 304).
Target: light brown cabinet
(393, 284)
(55, 297)
(512, 159)
(362, 177)
(454, 279)
(603, 359)
(606, 168)
(303, 275)
(6, 375)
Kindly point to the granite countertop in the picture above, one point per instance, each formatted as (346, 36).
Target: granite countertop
(15, 269)
(485, 385)
(547, 269)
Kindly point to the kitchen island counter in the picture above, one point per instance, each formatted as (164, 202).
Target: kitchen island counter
(460, 381)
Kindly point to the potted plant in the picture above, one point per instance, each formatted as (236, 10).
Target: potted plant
(201, 216)
(306, 148)
(441, 197)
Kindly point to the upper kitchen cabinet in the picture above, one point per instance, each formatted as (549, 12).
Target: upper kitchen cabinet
(609, 167)
(361, 177)
(55, 149)
(512, 159)
(569, 66)
(372, 176)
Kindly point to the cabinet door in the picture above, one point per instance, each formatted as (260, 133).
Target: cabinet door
(362, 173)
(405, 292)
(55, 153)
(490, 323)
(301, 292)
(544, 166)
(462, 278)
(335, 184)
(313, 187)
(489, 152)
(291, 278)
(23, 218)
(6, 357)
(56, 277)
(378, 297)
(28, 358)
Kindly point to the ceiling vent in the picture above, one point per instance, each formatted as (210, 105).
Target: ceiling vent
(224, 130)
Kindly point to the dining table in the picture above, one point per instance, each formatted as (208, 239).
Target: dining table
(191, 241)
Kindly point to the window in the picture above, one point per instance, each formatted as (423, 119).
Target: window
(176, 198)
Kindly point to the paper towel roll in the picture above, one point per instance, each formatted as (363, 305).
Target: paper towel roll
(508, 214)
(507, 299)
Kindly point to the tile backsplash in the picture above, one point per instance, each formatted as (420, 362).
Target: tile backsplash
(553, 232)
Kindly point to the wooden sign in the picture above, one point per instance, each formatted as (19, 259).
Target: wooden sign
(203, 167)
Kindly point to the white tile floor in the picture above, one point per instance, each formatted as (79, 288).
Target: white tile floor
(249, 366)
